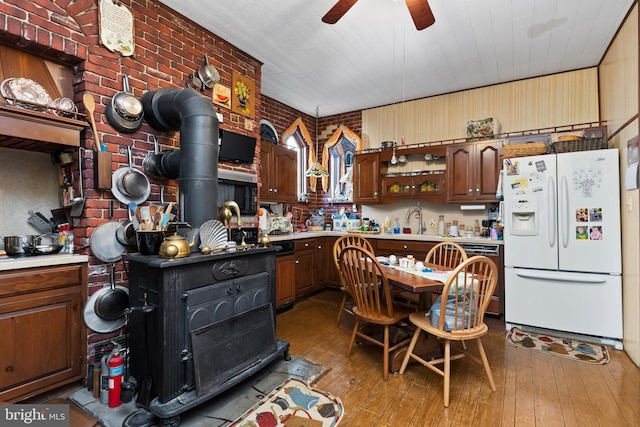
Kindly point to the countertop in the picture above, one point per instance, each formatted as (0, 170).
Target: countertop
(8, 263)
(381, 236)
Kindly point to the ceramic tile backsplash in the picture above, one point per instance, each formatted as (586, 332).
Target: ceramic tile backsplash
(29, 182)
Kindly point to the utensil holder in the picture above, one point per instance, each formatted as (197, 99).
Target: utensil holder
(102, 170)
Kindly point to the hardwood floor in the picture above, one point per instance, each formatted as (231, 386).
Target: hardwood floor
(533, 389)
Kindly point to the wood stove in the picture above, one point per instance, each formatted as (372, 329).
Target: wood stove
(210, 324)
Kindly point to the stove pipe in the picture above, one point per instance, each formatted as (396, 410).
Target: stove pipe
(195, 164)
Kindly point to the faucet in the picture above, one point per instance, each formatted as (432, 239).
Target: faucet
(419, 210)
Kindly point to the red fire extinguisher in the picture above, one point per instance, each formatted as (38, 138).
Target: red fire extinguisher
(116, 372)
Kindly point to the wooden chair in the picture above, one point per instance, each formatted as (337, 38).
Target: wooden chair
(446, 254)
(365, 279)
(346, 306)
(458, 316)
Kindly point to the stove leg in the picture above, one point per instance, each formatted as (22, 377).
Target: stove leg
(171, 422)
(140, 418)
(285, 355)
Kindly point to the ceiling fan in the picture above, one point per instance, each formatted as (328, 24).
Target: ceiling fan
(419, 10)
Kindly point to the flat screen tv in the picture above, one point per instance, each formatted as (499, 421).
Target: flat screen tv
(236, 148)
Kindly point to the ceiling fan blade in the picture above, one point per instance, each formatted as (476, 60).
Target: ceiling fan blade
(420, 13)
(336, 12)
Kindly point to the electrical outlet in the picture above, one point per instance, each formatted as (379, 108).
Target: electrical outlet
(432, 223)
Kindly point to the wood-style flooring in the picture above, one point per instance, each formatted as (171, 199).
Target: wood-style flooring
(533, 389)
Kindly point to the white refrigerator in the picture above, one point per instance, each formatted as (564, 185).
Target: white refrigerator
(562, 243)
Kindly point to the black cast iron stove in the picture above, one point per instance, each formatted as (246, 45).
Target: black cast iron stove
(212, 327)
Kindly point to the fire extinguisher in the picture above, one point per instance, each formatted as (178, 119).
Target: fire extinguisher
(116, 372)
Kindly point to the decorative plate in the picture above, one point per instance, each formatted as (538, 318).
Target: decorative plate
(27, 90)
(6, 91)
(213, 234)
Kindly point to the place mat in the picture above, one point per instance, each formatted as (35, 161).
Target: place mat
(563, 347)
(294, 404)
(439, 275)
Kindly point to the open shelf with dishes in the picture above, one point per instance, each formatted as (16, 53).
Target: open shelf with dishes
(415, 173)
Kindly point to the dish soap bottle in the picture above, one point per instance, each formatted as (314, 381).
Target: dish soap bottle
(396, 226)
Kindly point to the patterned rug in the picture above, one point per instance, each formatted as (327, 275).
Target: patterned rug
(563, 347)
(293, 404)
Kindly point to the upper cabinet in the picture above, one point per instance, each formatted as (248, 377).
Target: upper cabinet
(473, 170)
(366, 178)
(278, 169)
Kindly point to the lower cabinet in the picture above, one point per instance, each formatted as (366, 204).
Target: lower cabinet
(285, 280)
(43, 334)
(403, 248)
(331, 278)
(305, 266)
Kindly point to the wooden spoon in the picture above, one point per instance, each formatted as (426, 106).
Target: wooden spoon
(90, 105)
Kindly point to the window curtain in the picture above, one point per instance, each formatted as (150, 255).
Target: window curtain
(299, 126)
(342, 131)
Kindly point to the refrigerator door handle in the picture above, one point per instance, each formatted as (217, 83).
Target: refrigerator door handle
(542, 275)
(564, 211)
(553, 207)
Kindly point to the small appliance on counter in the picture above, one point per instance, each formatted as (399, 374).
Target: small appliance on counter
(279, 225)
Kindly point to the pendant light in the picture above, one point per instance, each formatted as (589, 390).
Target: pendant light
(316, 170)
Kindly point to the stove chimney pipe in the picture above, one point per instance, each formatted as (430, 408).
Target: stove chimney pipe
(195, 164)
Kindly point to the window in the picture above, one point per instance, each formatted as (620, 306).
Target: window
(341, 170)
(296, 143)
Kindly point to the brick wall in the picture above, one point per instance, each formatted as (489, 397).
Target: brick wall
(168, 48)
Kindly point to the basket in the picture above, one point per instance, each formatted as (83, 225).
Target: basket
(582, 144)
(521, 150)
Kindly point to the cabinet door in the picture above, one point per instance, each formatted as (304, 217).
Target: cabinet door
(285, 172)
(331, 272)
(319, 265)
(305, 266)
(397, 187)
(285, 280)
(460, 167)
(487, 170)
(42, 344)
(366, 178)
(266, 184)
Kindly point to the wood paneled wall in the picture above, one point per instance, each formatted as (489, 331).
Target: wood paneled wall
(619, 80)
(542, 102)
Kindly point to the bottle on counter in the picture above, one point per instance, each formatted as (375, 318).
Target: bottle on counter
(396, 226)
(387, 225)
(453, 230)
(441, 225)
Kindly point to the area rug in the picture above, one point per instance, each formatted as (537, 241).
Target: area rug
(563, 347)
(293, 404)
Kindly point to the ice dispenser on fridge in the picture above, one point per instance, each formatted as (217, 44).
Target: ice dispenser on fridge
(524, 218)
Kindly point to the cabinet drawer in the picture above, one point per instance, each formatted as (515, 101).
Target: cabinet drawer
(38, 279)
(305, 244)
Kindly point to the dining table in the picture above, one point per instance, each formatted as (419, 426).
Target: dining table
(423, 285)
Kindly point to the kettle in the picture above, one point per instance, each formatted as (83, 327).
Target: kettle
(176, 246)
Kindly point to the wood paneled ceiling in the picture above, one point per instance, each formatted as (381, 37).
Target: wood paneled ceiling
(374, 55)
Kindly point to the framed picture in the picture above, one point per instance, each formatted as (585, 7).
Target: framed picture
(243, 95)
(222, 95)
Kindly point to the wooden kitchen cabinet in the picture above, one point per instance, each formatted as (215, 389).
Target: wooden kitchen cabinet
(366, 178)
(429, 186)
(285, 280)
(278, 173)
(331, 278)
(472, 171)
(403, 248)
(44, 338)
(306, 268)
